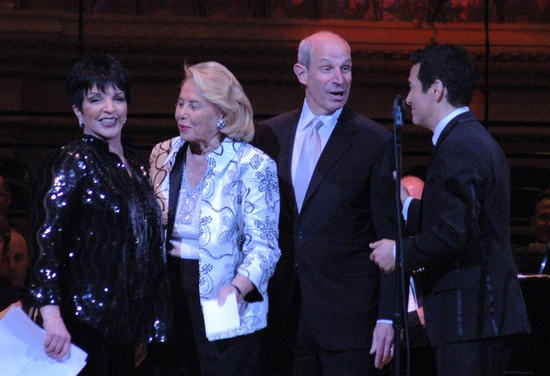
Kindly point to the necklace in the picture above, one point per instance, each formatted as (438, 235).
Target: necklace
(188, 200)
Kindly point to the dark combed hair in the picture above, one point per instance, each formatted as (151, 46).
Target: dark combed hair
(101, 71)
(453, 66)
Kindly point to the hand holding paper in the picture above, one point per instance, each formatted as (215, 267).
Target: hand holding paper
(58, 340)
(22, 349)
(220, 319)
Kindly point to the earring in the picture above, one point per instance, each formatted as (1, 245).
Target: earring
(125, 120)
(80, 124)
(221, 123)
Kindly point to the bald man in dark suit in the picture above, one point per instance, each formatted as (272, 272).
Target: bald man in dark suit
(345, 304)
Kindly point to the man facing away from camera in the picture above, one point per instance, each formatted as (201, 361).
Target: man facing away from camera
(460, 250)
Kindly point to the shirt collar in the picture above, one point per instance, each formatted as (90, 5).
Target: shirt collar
(443, 122)
(328, 120)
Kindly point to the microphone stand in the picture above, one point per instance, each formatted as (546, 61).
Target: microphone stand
(398, 108)
(542, 269)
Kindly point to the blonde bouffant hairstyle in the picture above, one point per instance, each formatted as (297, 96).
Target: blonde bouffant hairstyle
(220, 87)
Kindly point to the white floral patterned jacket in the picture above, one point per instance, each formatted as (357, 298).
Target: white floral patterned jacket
(239, 216)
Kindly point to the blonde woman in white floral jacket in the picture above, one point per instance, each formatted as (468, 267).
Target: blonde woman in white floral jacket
(220, 200)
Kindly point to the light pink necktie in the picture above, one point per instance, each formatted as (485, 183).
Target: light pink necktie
(309, 155)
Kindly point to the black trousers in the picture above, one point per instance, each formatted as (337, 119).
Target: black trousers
(313, 360)
(484, 357)
(278, 341)
(103, 359)
(190, 352)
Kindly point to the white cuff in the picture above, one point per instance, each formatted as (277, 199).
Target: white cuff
(406, 204)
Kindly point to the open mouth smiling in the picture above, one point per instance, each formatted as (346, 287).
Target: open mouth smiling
(108, 122)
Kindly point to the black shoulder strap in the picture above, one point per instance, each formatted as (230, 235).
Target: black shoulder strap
(176, 174)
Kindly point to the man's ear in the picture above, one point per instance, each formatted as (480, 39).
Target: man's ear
(438, 90)
(301, 73)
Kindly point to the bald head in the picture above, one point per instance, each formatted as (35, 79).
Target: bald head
(317, 39)
(324, 70)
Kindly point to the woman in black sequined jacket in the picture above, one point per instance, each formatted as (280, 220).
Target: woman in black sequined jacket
(100, 275)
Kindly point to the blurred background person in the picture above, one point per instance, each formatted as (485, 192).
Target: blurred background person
(8, 291)
(100, 276)
(529, 257)
(540, 221)
(5, 197)
(14, 264)
(220, 199)
(15, 261)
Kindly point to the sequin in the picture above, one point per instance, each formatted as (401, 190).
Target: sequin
(100, 242)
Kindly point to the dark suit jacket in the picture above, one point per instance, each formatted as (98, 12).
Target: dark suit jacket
(462, 242)
(350, 203)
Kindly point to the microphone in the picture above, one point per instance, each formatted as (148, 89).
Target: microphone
(399, 108)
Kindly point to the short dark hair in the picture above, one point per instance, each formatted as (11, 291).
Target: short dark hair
(102, 71)
(453, 66)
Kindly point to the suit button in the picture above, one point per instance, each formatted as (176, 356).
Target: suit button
(300, 234)
(296, 267)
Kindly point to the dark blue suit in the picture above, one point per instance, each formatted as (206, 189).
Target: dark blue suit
(325, 248)
(461, 243)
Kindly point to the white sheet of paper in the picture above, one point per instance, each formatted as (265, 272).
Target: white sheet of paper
(22, 349)
(222, 319)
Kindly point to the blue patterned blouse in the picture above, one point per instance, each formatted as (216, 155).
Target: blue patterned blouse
(239, 217)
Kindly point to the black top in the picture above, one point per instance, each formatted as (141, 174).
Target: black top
(99, 242)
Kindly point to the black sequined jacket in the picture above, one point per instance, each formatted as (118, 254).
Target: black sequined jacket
(99, 242)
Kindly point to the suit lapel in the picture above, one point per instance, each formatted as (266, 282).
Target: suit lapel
(287, 146)
(287, 134)
(340, 140)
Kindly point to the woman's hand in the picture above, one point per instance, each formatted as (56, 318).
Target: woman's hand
(57, 344)
(225, 292)
(240, 286)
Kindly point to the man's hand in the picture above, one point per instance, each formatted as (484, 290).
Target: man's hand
(382, 254)
(382, 345)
